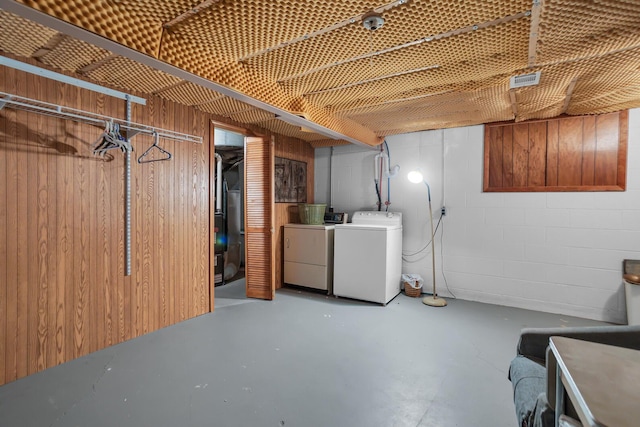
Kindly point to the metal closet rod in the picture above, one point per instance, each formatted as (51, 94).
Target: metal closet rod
(54, 110)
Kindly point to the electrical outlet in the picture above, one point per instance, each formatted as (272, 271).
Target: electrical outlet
(443, 211)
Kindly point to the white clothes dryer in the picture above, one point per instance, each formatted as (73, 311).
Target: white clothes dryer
(368, 257)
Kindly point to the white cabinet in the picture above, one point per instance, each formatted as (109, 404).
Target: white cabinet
(308, 256)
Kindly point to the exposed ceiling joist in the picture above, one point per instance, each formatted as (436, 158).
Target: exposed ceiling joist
(536, 9)
(169, 87)
(567, 99)
(395, 101)
(375, 79)
(189, 13)
(95, 65)
(208, 101)
(587, 58)
(514, 102)
(51, 45)
(337, 26)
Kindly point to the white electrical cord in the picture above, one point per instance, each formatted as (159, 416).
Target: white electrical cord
(446, 284)
(444, 193)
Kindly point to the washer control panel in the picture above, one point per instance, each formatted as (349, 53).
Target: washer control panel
(377, 218)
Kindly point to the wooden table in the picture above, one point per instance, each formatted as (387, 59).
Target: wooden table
(602, 382)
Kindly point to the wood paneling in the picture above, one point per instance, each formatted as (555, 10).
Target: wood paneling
(565, 154)
(552, 153)
(606, 149)
(496, 161)
(570, 151)
(520, 143)
(537, 152)
(588, 150)
(63, 292)
(507, 157)
(286, 213)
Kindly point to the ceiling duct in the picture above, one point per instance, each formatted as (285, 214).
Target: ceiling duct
(524, 80)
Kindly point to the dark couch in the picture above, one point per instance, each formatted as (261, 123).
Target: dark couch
(532, 371)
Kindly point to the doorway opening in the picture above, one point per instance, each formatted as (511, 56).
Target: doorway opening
(242, 213)
(229, 244)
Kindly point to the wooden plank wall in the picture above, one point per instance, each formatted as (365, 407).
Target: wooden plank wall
(286, 213)
(586, 153)
(63, 293)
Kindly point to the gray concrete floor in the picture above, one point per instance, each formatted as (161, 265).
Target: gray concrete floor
(233, 293)
(304, 359)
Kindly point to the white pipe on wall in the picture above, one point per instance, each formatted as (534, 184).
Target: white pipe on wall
(386, 170)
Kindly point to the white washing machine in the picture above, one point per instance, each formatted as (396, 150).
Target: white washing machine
(368, 257)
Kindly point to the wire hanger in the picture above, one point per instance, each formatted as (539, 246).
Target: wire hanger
(104, 142)
(111, 139)
(155, 145)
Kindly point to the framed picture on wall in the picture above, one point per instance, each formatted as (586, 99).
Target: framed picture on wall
(290, 181)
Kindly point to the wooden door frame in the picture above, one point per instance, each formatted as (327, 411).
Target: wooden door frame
(213, 124)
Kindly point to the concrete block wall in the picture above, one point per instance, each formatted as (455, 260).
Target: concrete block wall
(554, 252)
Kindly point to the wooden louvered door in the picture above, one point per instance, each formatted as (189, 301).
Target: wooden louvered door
(259, 271)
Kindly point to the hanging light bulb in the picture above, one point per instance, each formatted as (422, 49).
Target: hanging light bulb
(415, 176)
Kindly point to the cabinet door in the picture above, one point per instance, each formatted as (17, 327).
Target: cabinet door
(307, 246)
(309, 275)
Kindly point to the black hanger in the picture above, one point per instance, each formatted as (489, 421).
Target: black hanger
(155, 145)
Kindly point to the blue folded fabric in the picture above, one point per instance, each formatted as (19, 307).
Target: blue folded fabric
(529, 381)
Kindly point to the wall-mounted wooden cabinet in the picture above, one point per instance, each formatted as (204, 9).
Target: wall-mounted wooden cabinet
(587, 153)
